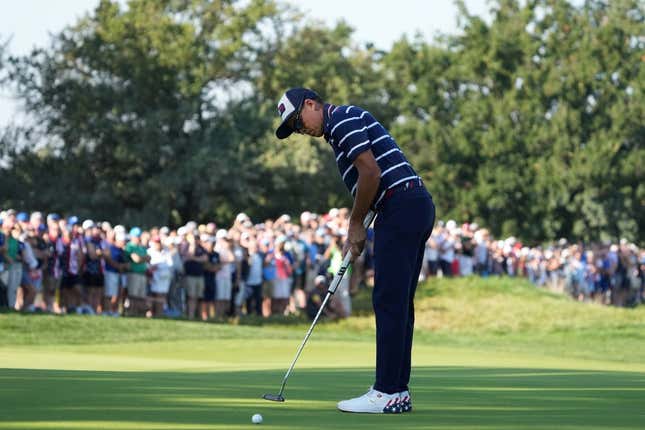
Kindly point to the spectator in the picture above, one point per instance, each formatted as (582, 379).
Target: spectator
(115, 265)
(223, 277)
(52, 271)
(34, 251)
(446, 250)
(254, 280)
(211, 267)
(268, 275)
(609, 273)
(481, 252)
(335, 255)
(3, 261)
(194, 257)
(72, 260)
(240, 272)
(93, 273)
(137, 255)
(12, 257)
(315, 297)
(431, 257)
(175, 295)
(282, 284)
(161, 268)
(467, 251)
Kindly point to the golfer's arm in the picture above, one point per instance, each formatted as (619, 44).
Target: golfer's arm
(369, 178)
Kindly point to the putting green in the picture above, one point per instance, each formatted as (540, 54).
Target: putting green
(217, 384)
(492, 353)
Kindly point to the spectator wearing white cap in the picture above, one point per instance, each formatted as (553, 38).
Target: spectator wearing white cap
(37, 221)
(176, 299)
(481, 252)
(121, 230)
(161, 266)
(240, 220)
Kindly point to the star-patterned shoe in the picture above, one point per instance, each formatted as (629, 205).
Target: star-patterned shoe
(373, 402)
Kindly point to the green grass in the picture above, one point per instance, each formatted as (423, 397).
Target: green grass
(489, 354)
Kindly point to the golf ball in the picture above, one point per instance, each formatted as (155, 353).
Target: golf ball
(257, 419)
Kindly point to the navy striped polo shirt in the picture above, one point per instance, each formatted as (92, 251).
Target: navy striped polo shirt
(351, 130)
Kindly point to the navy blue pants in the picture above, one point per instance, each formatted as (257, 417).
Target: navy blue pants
(402, 227)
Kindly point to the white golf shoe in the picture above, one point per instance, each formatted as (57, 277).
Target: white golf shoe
(405, 401)
(373, 402)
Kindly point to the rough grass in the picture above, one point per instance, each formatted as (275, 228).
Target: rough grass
(490, 313)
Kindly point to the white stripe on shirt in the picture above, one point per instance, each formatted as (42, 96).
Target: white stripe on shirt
(380, 138)
(339, 155)
(394, 167)
(388, 152)
(350, 133)
(348, 108)
(351, 166)
(357, 146)
(345, 120)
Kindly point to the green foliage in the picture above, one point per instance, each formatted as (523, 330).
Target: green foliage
(531, 124)
(161, 111)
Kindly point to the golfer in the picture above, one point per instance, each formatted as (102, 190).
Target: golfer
(379, 177)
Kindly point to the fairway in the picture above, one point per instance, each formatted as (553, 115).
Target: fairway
(214, 379)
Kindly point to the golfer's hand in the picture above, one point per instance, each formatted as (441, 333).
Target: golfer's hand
(355, 240)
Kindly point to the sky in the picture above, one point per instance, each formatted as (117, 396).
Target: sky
(30, 23)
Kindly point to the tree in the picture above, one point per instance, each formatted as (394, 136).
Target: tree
(150, 99)
(529, 124)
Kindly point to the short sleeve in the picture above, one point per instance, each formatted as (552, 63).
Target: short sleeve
(350, 131)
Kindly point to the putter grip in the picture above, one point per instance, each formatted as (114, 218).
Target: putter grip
(343, 268)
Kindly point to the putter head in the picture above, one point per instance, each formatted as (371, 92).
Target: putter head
(273, 397)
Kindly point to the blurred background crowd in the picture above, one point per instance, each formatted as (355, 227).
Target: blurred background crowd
(276, 267)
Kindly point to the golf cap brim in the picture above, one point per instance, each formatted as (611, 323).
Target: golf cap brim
(289, 103)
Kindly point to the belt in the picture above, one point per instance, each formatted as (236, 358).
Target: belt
(407, 185)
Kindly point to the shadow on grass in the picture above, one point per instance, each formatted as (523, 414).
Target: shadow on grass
(444, 398)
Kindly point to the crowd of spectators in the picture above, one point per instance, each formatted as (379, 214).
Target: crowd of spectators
(276, 267)
(609, 273)
(62, 265)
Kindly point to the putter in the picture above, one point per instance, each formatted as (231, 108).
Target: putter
(331, 290)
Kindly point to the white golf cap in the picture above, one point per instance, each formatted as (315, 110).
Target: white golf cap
(289, 103)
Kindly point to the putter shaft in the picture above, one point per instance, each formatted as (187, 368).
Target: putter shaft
(331, 290)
